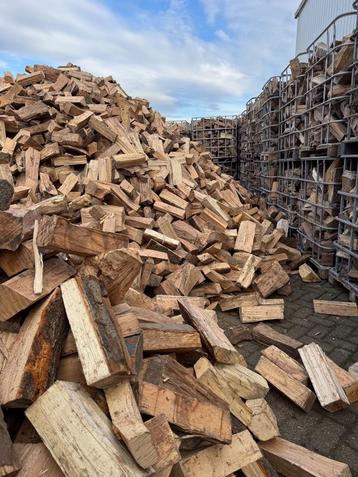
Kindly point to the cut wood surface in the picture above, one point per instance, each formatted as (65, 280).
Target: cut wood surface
(9, 462)
(36, 461)
(166, 387)
(78, 434)
(245, 237)
(297, 392)
(160, 338)
(263, 422)
(17, 293)
(307, 274)
(286, 363)
(337, 308)
(101, 348)
(267, 335)
(292, 460)
(220, 460)
(324, 381)
(348, 382)
(211, 333)
(128, 423)
(33, 358)
(253, 314)
(272, 280)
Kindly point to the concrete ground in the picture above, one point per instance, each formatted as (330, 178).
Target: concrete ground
(333, 435)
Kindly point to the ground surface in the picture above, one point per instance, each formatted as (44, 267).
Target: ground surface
(333, 435)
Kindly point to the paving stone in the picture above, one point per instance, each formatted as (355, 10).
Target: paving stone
(332, 435)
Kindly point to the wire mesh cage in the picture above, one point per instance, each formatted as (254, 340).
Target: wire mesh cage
(219, 136)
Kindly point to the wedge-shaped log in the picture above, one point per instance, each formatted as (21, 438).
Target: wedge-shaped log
(272, 280)
(128, 423)
(252, 314)
(292, 460)
(263, 422)
(56, 233)
(169, 338)
(78, 434)
(220, 460)
(210, 375)
(348, 382)
(118, 268)
(165, 443)
(100, 346)
(17, 293)
(257, 469)
(324, 380)
(338, 308)
(32, 362)
(212, 335)
(9, 463)
(267, 335)
(290, 387)
(245, 237)
(166, 387)
(35, 461)
(286, 363)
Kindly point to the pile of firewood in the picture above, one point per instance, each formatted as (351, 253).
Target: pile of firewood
(119, 240)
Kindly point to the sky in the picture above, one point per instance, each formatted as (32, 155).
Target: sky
(188, 57)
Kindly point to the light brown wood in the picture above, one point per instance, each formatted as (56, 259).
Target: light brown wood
(297, 392)
(101, 348)
(324, 381)
(168, 338)
(272, 280)
(166, 387)
(35, 461)
(128, 423)
(211, 334)
(348, 382)
(292, 460)
(263, 422)
(252, 314)
(245, 237)
(337, 308)
(17, 293)
(9, 463)
(286, 363)
(307, 274)
(267, 335)
(78, 434)
(220, 460)
(56, 233)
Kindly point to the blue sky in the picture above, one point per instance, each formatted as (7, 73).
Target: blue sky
(188, 57)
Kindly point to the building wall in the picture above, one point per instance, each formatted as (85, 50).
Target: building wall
(316, 15)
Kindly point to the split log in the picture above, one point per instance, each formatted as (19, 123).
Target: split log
(220, 460)
(35, 461)
(212, 335)
(128, 424)
(33, 359)
(9, 464)
(169, 338)
(78, 434)
(324, 381)
(272, 280)
(292, 460)
(252, 314)
(348, 382)
(263, 422)
(101, 348)
(245, 237)
(17, 293)
(286, 363)
(307, 274)
(265, 334)
(290, 387)
(337, 308)
(166, 387)
(56, 233)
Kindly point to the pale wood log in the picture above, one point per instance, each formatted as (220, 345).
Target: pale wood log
(338, 308)
(272, 280)
(33, 359)
(78, 434)
(348, 382)
(307, 274)
(210, 375)
(252, 314)
(169, 338)
(17, 293)
(292, 460)
(165, 443)
(122, 161)
(163, 239)
(257, 469)
(245, 237)
(263, 422)
(290, 387)
(212, 335)
(56, 233)
(101, 348)
(324, 381)
(14, 262)
(241, 299)
(166, 387)
(220, 460)
(128, 424)
(286, 363)
(265, 334)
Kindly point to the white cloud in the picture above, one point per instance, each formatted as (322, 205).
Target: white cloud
(159, 58)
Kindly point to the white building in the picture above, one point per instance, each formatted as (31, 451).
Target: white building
(313, 16)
